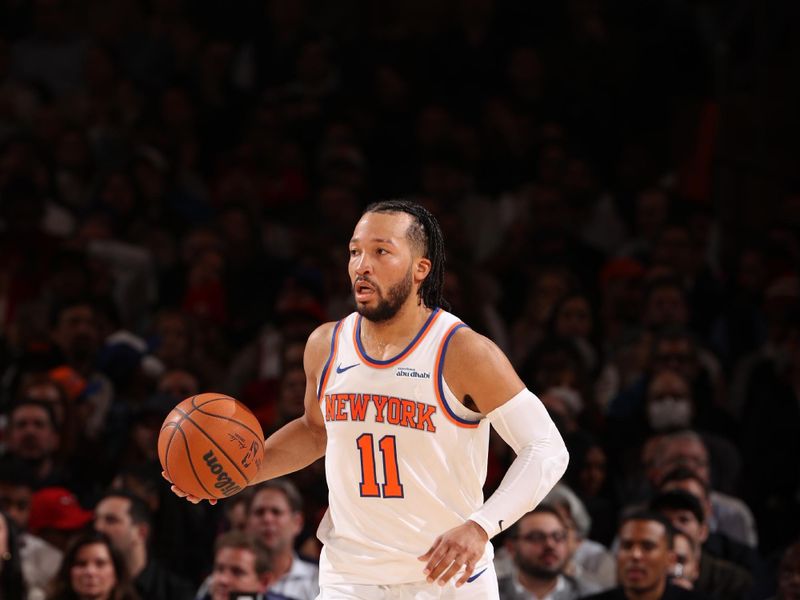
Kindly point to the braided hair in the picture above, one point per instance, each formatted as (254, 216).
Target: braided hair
(426, 236)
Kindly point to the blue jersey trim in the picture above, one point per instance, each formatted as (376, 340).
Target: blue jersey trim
(327, 366)
(440, 378)
(411, 344)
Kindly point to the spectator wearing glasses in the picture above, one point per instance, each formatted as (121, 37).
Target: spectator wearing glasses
(538, 546)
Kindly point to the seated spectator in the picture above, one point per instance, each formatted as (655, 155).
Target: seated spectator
(40, 560)
(275, 515)
(242, 563)
(538, 547)
(789, 574)
(33, 439)
(92, 570)
(716, 578)
(588, 560)
(687, 557)
(588, 475)
(717, 543)
(126, 520)
(56, 516)
(686, 448)
(12, 582)
(181, 536)
(644, 561)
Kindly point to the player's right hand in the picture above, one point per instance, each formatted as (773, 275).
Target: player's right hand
(179, 492)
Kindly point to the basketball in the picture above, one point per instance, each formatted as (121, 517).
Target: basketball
(211, 446)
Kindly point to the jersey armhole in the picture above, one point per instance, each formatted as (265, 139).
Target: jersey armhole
(326, 370)
(456, 412)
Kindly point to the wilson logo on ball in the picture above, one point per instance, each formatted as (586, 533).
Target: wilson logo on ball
(224, 482)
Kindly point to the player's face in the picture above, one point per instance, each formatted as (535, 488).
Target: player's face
(644, 557)
(92, 574)
(272, 519)
(234, 571)
(540, 548)
(381, 265)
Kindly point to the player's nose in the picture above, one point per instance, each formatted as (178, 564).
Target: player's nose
(362, 264)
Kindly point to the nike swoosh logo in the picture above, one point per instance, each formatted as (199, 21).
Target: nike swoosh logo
(341, 369)
(500, 523)
(474, 577)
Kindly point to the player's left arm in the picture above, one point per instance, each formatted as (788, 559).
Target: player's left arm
(477, 371)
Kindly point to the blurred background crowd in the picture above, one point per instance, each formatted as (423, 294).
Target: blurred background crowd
(616, 184)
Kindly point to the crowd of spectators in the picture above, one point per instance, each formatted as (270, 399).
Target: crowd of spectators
(178, 181)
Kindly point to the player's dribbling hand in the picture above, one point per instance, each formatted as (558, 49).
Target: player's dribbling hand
(178, 492)
(460, 547)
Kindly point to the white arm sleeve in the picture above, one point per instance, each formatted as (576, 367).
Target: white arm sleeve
(541, 460)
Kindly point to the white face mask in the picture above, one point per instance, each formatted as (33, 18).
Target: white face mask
(669, 413)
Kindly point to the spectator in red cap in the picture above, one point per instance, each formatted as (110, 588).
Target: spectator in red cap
(56, 515)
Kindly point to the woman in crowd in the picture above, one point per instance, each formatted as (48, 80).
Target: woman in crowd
(92, 570)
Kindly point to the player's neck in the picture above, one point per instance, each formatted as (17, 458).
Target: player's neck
(398, 330)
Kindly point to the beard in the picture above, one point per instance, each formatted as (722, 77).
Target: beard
(389, 305)
(538, 571)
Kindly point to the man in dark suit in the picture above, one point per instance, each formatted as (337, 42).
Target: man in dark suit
(644, 561)
(717, 578)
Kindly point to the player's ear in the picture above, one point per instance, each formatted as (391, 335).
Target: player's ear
(422, 267)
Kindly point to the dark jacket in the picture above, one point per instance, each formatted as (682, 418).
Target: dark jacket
(156, 583)
(722, 579)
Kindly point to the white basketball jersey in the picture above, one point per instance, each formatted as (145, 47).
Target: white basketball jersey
(405, 461)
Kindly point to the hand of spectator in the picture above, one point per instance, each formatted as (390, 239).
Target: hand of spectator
(179, 492)
(459, 547)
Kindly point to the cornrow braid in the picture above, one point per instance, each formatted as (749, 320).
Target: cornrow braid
(426, 235)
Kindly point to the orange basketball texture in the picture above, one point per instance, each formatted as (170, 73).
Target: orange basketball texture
(211, 445)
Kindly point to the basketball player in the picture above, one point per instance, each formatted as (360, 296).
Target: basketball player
(399, 399)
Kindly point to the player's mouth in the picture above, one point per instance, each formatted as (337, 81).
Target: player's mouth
(363, 291)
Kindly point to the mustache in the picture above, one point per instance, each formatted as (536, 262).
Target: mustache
(363, 279)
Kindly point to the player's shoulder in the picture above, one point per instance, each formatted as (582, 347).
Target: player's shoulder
(322, 334)
(318, 345)
(468, 345)
(475, 366)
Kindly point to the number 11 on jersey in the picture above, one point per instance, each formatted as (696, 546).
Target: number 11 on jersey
(369, 486)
